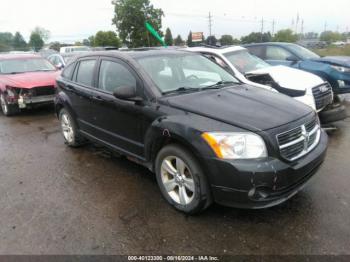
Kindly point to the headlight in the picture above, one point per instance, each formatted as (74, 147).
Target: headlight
(11, 91)
(236, 145)
(341, 68)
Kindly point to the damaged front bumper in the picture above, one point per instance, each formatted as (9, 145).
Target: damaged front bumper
(262, 183)
(333, 113)
(24, 102)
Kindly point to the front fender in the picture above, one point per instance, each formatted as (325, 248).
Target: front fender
(62, 100)
(178, 129)
(323, 70)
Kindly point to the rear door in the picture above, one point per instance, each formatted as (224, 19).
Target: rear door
(118, 123)
(79, 91)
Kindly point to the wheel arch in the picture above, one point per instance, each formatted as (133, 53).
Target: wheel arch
(159, 136)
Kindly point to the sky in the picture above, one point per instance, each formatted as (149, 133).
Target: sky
(72, 20)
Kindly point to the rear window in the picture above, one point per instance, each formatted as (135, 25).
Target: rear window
(85, 72)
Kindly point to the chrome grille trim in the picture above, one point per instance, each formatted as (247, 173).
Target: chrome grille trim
(323, 95)
(308, 137)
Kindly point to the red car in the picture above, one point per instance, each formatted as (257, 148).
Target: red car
(25, 81)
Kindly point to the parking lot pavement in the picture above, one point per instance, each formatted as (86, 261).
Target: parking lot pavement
(57, 200)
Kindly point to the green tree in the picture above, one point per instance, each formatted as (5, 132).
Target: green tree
(36, 42)
(168, 39)
(86, 42)
(130, 17)
(4, 48)
(211, 40)
(55, 46)
(285, 35)
(106, 38)
(18, 42)
(189, 39)
(330, 36)
(256, 37)
(91, 40)
(178, 41)
(6, 39)
(226, 40)
(44, 33)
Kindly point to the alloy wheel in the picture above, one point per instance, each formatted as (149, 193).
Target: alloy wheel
(3, 104)
(177, 180)
(67, 128)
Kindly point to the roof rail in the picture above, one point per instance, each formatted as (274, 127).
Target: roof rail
(150, 48)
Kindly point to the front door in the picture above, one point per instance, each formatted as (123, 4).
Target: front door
(276, 55)
(117, 123)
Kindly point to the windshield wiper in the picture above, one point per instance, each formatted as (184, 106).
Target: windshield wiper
(181, 89)
(218, 85)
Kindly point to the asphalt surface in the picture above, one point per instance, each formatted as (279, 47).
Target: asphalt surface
(58, 200)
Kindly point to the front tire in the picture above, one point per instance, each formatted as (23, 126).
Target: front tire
(181, 180)
(69, 129)
(8, 110)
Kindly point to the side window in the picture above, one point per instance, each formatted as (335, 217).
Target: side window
(85, 72)
(113, 75)
(257, 51)
(277, 53)
(68, 71)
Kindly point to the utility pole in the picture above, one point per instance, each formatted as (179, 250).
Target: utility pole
(325, 26)
(302, 29)
(262, 29)
(210, 20)
(273, 27)
(296, 24)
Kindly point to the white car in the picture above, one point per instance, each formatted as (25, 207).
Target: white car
(72, 49)
(302, 86)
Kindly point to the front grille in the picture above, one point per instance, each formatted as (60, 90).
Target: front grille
(43, 91)
(297, 142)
(323, 95)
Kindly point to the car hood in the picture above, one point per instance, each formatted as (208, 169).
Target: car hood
(30, 79)
(244, 106)
(290, 78)
(337, 60)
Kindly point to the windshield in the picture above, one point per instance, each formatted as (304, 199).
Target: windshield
(14, 66)
(192, 71)
(302, 52)
(245, 62)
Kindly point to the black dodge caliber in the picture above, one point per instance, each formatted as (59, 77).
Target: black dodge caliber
(205, 135)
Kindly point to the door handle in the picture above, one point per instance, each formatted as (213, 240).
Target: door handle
(97, 98)
(69, 87)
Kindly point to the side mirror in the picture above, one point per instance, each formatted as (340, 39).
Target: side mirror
(292, 58)
(59, 66)
(127, 93)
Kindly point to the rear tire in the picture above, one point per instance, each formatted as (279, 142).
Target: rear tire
(8, 110)
(181, 180)
(69, 129)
